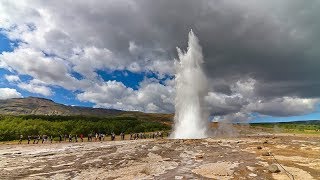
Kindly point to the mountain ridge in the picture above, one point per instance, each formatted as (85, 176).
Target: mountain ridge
(43, 106)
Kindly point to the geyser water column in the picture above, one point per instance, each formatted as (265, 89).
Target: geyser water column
(191, 118)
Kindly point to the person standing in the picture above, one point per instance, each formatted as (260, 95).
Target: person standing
(81, 137)
(38, 138)
(96, 139)
(34, 139)
(113, 136)
(29, 139)
(122, 136)
(20, 139)
(60, 138)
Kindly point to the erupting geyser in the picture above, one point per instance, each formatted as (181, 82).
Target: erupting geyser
(191, 118)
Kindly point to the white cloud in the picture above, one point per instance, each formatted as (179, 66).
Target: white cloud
(285, 106)
(134, 48)
(31, 62)
(151, 96)
(90, 59)
(243, 101)
(233, 117)
(36, 88)
(12, 78)
(110, 92)
(7, 93)
(219, 103)
(244, 87)
(28, 61)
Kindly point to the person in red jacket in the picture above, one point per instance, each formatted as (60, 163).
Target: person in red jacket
(81, 137)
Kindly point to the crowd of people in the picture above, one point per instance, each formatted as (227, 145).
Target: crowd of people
(90, 137)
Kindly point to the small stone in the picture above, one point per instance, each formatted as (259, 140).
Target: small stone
(155, 148)
(178, 177)
(266, 154)
(273, 168)
(259, 147)
(265, 142)
(199, 156)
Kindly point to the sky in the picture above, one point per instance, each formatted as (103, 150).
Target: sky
(261, 57)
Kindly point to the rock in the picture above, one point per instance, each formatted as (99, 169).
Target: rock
(265, 142)
(166, 159)
(199, 156)
(266, 154)
(259, 147)
(273, 168)
(155, 148)
(178, 177)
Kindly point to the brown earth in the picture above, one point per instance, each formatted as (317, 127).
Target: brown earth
(211, 158)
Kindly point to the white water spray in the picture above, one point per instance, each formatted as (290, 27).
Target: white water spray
(191, 119)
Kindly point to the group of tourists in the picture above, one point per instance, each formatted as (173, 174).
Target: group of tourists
(91, 137)
(153, 135)
(36, 139)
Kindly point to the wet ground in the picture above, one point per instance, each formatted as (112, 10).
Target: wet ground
(246, 157)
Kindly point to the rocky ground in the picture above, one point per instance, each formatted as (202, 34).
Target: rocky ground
(244, 157)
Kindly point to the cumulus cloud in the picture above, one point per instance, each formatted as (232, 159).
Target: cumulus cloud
(36, 88)
(286, 106)
(49, 69)
(90, 59)
(244, 100)
(12, 78)
(255, 60)
(7, 93)
(151, 96)
(28, 61)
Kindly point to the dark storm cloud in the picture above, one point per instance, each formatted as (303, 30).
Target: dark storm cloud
(275, 42)
(238, 38)
(280, 49)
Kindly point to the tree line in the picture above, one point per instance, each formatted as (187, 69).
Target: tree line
(11, 127)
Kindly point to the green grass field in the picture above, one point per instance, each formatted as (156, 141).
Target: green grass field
(305, 127)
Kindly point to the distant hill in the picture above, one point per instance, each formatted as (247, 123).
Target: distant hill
(41, 106)
(309, 122)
